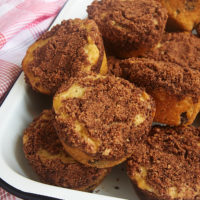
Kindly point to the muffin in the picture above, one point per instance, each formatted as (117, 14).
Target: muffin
(52, 164)
(166, 166)
(129, 27)
(99, 119)
(175, 89)
(69, 48)
(183, 14)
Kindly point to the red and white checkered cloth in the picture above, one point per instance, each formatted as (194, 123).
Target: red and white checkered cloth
(21, 23)
(6, 196)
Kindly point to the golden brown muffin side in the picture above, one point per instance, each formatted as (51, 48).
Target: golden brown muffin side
(183, 14)
(174, 111)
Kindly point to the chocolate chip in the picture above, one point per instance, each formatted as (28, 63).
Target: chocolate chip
(178, 11)
(184, 118)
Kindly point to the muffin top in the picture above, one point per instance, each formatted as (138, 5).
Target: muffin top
(103, 116)
(179, 48)
(130, 23)
(73, 46)
(167, 163)
(150, 74)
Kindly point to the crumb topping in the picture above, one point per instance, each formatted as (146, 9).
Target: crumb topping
(113, 66)
(45, 153)
(129, 24)
(179, 48)
(150, 74)
(169, 162)
(108, 111)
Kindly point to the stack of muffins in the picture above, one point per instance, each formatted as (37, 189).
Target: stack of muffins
(105, 100)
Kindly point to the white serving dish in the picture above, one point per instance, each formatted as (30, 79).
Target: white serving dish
(17, 111)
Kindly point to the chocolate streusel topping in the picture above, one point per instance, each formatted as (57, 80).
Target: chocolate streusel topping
(114, 113)
(45, 153)
(170, 157)
(179, 48)
(63, 55)
(150, 74)
(129, 24)
(113, 66)
(41, 134)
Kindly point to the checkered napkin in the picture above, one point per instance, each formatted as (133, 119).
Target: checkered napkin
(6, 196)
(21, 23)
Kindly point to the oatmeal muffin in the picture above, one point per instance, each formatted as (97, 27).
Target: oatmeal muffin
(99, 119)
(69, 48)
(52, 164)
